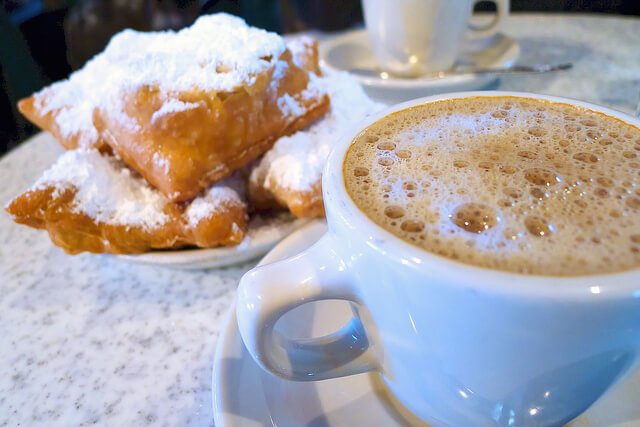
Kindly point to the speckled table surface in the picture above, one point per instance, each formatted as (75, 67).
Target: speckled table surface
(94, 340)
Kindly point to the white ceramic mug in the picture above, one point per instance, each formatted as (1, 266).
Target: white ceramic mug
(413, 37)
(459, 345)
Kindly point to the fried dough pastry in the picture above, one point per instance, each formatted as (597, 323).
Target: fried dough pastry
(184, 143)
(89, 202)
(290, 174)
(69, 124)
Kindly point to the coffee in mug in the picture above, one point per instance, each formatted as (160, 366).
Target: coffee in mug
(523, 185)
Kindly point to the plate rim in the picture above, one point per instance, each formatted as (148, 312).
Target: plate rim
(214, 257)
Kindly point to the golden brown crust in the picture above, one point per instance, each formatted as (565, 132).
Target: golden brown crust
(302, 204)
(52, 210)
(182, 152)
(305, 52)
(47, 122)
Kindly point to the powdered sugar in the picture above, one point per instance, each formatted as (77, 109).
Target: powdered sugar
(160, 161)
(211, 202)
(300, 47)
(108, 192)
(217, 53)
(289, 106)
(74, 110)
(296, 161)
(172, 106)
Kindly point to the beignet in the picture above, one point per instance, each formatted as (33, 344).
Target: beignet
(290, 174)
(92, 202)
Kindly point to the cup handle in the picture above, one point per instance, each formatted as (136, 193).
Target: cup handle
(487, 30)
(267, 292)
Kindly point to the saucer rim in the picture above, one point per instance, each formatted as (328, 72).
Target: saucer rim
(229, 331)
(329, 44)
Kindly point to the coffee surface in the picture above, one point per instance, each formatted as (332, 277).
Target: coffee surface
(516, 184)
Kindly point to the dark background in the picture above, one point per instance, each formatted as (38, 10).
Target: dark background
(42, 41)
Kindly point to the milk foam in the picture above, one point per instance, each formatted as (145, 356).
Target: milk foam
(516, 184)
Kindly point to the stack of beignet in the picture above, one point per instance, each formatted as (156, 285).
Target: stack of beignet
(162, 129)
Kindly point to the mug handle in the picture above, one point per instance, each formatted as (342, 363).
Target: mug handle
(267, 292)
(489, 29)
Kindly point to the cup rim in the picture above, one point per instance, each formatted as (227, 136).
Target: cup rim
(341, 207)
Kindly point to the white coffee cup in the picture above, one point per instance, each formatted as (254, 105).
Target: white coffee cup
(413, 37)
(459, 345)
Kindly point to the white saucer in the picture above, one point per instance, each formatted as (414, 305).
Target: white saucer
(246, 396)
(351, 51)
(263, 234)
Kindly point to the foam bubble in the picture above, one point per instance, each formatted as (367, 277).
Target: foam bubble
(360, 171)
(403, 154)
(475, 217)
(412, 226)
(541, 176)
(539, 194)
(386, 146)
(586, 157)
(538, 226)
(394, 212)
(460, 163)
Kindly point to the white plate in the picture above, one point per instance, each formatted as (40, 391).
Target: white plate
(246, 396)
(262, 235)
(351, 51)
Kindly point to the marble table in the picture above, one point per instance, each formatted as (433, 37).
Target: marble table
(94, 340)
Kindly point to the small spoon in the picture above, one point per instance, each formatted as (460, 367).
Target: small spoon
(536, 68)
